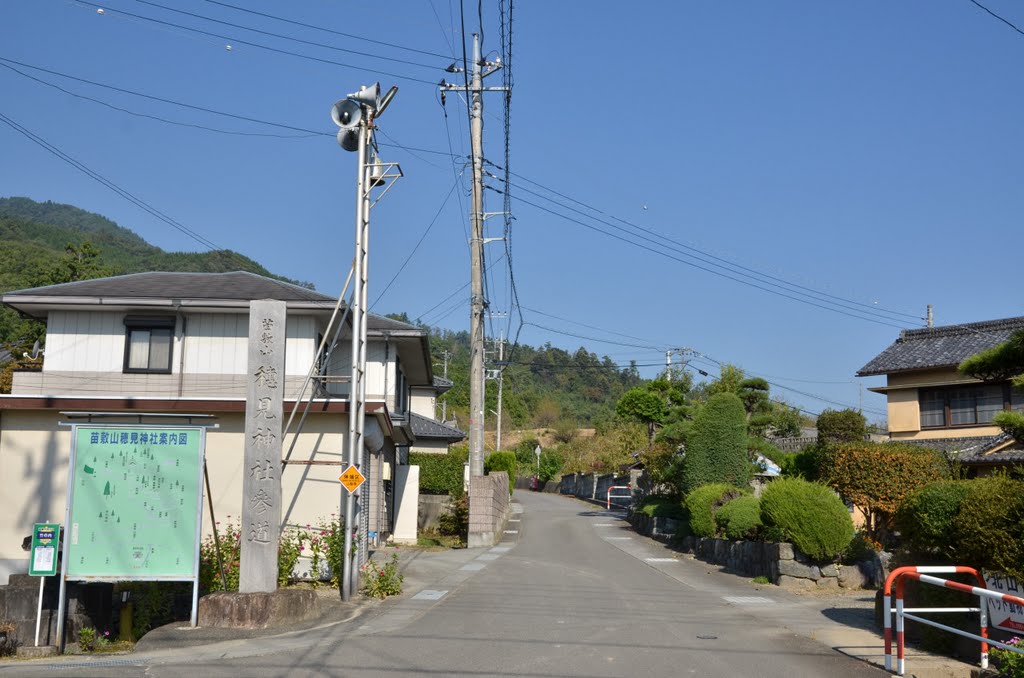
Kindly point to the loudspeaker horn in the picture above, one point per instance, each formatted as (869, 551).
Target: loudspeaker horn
(346, 113)
(368, 96)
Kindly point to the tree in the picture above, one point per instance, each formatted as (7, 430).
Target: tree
(642, 405)
(77, 263)
(841, 426)
(729, 379)
(999, 363)
(716, 448)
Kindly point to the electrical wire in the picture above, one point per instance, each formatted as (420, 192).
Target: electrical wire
(417, 246)
(1004, 20)
(250, 43)
(157, 118)
(39, 141)
(284, 37)
(328, 30)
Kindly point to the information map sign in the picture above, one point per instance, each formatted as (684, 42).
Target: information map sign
(43, 561)
(135, 503)
(1004, 614)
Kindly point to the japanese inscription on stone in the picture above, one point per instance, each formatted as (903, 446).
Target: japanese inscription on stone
(261, 486)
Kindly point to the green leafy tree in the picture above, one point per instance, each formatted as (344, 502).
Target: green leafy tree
(1001, 363)
(841, 426)
(642, 405)
(716, 448)
(729, 380)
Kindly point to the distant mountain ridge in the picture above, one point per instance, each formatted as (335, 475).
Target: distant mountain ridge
(36, 229)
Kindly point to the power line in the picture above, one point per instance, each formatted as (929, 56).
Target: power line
(39, 141)
(165, 100)
(249, 43)
(1004, 20)
(710, 270)
(417, 246)
(589, 327)
(727, 265)
(580, 336)
(154, 117)
(285, 37)
(328, 30)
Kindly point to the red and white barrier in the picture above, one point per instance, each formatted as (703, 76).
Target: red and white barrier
(922, 573)
(621, 496)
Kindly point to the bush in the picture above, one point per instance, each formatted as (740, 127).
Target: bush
(988, 531)
(877, 477)
(502, 461)
(809, 515)
(703, 502)
(662, 507)
(525, 454)
(550, 465)
(841, 426)
(716, 449)
(804, 464)
(456, 522)
(384, 580)
(439, 473)
(740, 518)
(925, 518)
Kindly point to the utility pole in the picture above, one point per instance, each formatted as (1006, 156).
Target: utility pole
(668, 364)
(930, 318)
(476, 243)
(498, 375)
(444, 403)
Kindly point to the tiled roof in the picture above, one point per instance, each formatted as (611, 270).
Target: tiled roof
(423, 427)
(978, 450)
(381, 323)
(944, 346)
(442, 385)
(5, 356)
(239, 285)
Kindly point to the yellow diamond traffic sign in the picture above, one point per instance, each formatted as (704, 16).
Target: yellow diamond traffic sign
(351, 478)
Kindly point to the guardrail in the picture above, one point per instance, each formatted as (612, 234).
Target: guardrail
(922, 573)
(620, 496)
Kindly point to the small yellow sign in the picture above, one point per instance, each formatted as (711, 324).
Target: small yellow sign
(351, 478)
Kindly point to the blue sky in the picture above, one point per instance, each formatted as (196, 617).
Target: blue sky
(870, 151)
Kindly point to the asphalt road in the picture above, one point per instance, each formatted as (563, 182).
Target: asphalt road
(559, 599)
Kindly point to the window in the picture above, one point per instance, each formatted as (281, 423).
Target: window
(148, 344)
(963, 405)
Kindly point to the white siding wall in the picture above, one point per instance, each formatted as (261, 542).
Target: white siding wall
(216, 343)
(424, 402)
(377, 372)
(84, 341)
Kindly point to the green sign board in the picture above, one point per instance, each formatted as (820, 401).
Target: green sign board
(43, 562)
(135, 503)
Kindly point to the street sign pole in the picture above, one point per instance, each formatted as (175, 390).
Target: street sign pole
(43, 560)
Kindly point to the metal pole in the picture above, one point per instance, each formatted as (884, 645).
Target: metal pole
(501, 381)
(476, 316)
(668, 364)
(355, 427)
(39, 609)
(361, 515)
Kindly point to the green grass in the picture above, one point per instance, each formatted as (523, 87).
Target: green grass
(662, 507)
(761, 580)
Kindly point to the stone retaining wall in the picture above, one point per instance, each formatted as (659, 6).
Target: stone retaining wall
(488, 508)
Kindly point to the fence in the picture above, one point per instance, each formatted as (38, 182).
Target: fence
(923, 574)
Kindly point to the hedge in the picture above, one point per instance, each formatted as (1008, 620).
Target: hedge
(877, 477)
(809, 515)
(662, 507)
(740, 518)
(925, 518)
(703, 502)
(502, 461)
(989, 528)
(439, 473)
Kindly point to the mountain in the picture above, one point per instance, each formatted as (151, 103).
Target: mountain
(39, 229)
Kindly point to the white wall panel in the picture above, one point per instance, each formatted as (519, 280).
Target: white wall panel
(85, 341)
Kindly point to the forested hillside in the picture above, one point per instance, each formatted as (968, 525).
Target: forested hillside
(46, 243)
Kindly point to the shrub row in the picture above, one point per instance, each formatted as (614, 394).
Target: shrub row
(503, 461)
(439, 473)
(807, 514)
(971, 522)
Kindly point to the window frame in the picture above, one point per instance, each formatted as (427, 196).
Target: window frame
(135, 323)
(948, 393)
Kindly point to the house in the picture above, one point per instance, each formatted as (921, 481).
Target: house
(159, 343)
(931, 403)
(432, 436)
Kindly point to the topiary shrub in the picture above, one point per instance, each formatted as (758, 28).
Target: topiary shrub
(502, 461)
(740, 518)
(439, 473)
(703, 502)
(806, 463)
(925, 518)
(988, 531)
(877, 477)
(809, 515)
(841, 426)
(716, 446)
(662, 507)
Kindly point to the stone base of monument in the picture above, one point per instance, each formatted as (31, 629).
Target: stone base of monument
(33, 652)
(258, 610)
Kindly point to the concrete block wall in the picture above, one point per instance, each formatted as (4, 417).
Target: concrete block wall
(488, 508)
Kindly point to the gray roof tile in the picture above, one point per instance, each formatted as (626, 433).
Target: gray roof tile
(944, 346)
(424, 427)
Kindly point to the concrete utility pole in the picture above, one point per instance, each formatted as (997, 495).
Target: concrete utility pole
(444, 403)
(476, 243)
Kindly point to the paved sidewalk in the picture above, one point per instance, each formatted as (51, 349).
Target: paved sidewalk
(841, 621)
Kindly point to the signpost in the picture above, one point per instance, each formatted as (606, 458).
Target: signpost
(351, 478)
(43, 560)
(134, 506)
(1004, 614)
